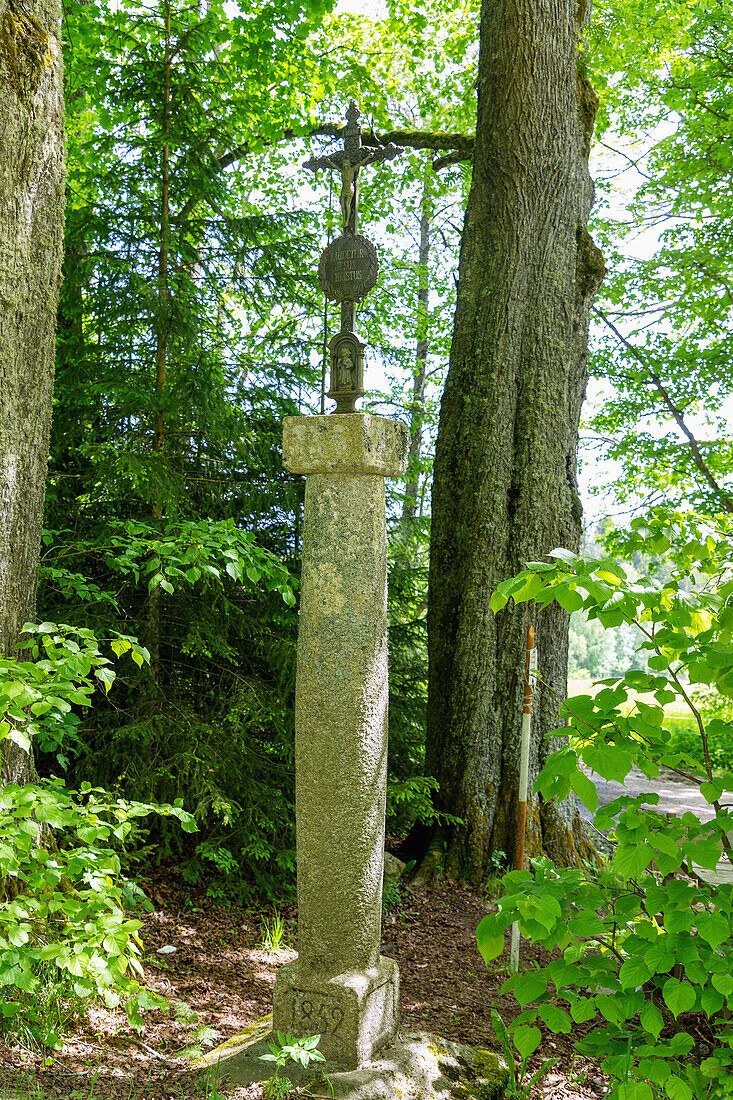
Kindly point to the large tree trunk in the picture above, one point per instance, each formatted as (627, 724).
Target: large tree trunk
(505, 487)
(31, 227)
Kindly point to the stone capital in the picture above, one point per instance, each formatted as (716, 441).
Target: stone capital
(349, 443)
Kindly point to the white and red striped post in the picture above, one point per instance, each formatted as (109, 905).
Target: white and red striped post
(530, 665)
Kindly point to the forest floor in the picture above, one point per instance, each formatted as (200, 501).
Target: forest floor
(219, 980)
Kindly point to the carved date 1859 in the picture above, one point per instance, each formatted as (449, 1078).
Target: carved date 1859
(312, 1012)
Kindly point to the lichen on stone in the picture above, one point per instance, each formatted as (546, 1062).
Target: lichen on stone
(485, 1079)
(449, 1070)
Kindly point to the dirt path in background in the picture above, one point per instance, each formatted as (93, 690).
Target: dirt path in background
(676, 796)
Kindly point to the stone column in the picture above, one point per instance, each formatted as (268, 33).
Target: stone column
(339, 986)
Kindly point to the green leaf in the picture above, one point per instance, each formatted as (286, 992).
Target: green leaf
(634, 972)
(568, 598)
(723, 983)
(713, 927)
(631, 860)
(490, 938)
(583, 1009)
(107, 677)
(711, 1001)
(678, 1089)
(498, 601)
(652, 1019)
(557, 1019)
(609, 761)
(653, 1070)
(50, 1038)
(529, 986)
(585, 789)
(529, 589)
(679, 996)
(706, 851)
(564, 555)
(635, 1090)
(526, 1039)
(711, 791)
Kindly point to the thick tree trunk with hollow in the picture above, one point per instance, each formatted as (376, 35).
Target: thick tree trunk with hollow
(31, 228)
(505, 487)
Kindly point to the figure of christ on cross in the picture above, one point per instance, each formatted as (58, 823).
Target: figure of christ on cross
(348, 161)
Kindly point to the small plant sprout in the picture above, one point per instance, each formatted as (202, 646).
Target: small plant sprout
(526, 1040)
(287, 1049)
(272, 931)
(211, 1086)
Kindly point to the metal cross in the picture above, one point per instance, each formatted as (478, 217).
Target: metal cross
(348, 161)
(347, 351)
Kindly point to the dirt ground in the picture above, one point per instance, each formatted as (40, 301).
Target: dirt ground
(219, 980)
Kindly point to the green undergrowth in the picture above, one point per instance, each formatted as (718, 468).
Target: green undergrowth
(66, 936)
(209, 718)
(645, 941)
(28, 1088)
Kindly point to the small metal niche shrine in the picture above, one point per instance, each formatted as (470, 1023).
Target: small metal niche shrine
(347, 371)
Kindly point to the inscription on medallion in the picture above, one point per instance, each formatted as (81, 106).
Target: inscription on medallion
(348, 268)
(312, 1012)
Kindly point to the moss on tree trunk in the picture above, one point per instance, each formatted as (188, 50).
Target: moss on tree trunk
(31, 232)
(505, 488)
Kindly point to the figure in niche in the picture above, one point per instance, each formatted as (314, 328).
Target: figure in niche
(345, 369)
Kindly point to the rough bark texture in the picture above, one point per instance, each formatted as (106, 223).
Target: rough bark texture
(505, 487)
(31, 228)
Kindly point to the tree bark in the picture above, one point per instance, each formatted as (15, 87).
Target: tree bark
(31, 228)
(504, 489)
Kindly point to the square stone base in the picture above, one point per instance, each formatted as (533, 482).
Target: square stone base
(354, 1013)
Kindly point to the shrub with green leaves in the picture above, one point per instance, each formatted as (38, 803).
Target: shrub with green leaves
(645, 941)
(409, 800)
(64, 667)
(65, 937)
(187, 550)
(64, 934)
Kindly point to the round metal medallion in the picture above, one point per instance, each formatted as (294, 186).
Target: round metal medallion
(348, 268)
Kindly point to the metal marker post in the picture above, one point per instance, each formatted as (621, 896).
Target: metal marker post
(530, 669)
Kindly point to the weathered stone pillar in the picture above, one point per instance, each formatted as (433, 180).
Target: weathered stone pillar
(339, 987)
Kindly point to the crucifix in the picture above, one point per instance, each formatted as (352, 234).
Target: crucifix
(348, 161)
(348, 267)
